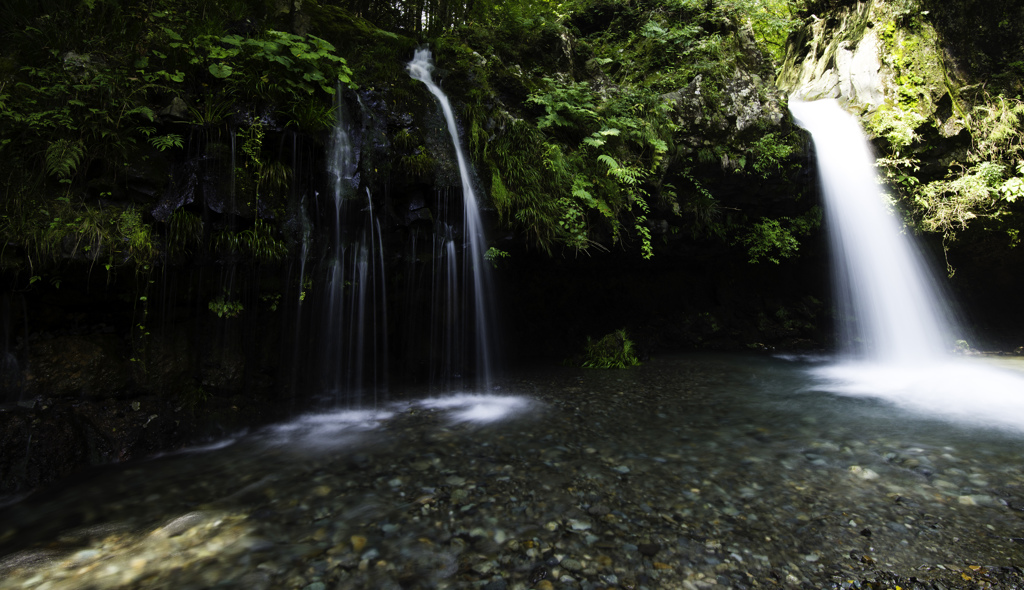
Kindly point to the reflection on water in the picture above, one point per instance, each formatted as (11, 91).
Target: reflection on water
(687, 469)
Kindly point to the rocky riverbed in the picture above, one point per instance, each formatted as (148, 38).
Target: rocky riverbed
(693, 472)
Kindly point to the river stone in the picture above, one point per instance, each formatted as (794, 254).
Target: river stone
(573, 565)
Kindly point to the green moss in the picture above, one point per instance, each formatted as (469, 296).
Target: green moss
(418, 165)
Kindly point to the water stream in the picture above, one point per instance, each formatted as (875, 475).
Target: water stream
(688, 471)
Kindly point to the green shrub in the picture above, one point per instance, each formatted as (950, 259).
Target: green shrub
(613, 351)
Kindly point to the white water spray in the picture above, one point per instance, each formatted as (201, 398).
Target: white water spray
(892, 321)
(478, 290)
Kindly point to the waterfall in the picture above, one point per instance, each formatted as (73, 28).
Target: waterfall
(888, 308)
(475, 279)
(352, 325)
(892, 321)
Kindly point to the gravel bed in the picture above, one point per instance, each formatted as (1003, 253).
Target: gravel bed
(691, 472)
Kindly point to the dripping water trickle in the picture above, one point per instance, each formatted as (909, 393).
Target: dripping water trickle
(464, 285)
(352, 346)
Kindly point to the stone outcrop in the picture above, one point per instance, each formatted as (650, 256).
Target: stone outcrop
(838, 57)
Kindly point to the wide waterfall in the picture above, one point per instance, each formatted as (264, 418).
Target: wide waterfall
(895, 333)
(465, 298)
(352, 324)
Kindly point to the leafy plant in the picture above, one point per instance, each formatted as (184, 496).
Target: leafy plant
(774, 239)
(63, 157)
(494, 255)
(185, 233)
(136, 237)
(612, 351)
(256, 242)
(166, 142)
(225, 308)
(274, 64)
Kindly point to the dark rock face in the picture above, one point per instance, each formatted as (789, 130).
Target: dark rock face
(84, 367)
(982, 40)
(47, 439)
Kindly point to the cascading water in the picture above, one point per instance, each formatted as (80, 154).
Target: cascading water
(888, 308)
(352, 350)
(893, 326)
(456, 293)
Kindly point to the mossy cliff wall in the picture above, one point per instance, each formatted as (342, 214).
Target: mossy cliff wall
(635, 161)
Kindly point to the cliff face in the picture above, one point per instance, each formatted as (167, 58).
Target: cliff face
(881, 60)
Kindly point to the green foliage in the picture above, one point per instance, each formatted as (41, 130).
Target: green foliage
(569, 106)
(608, 137)
(770, 153)
(225, 308)
(775, 239)
(185, 233)
(257, 243)
(494, 255)
(136, 237)
(80, 88)
(601, 151)
(896, 125)
(772, 21)
(310, 115)
(276, 64)
(63, 157)
(613, 351)
(261, 182)
(991, 180)
(418, 164)
(166, 142)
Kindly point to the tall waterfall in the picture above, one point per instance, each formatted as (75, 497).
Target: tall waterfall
(892, 322)
(466, 299)
(887, 305)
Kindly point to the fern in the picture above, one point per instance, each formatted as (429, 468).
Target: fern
(608, 161)
(166, 142)
(63, 157)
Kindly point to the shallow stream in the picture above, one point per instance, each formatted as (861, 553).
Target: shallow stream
(691, 471)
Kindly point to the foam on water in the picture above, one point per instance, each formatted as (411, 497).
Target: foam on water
(478, 408)
(971, 391)
(327, 429)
